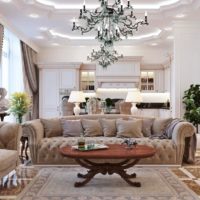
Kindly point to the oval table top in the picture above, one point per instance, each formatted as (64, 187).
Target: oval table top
(114, 151)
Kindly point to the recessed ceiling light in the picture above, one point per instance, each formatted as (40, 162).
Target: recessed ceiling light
(33, 15)
(180, 16)
(54, 44)
(43, 28)
(171, 37)
(39, 37)
(154, 44)
(6, 1)
(168, 28)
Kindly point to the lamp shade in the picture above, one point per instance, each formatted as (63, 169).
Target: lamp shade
(76, 97)
(134, 96)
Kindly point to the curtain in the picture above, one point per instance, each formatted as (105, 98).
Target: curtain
(1, 41)
(31, 73)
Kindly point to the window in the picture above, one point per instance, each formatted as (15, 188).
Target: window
(11, 74)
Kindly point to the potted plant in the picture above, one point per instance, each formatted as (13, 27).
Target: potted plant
(191, 99)
(20, 103)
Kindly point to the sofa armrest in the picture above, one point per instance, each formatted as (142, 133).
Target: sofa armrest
(182, 131)
(35, 132)
(10, 134)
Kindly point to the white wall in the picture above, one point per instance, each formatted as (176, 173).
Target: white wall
(186, 66)
(151, 55)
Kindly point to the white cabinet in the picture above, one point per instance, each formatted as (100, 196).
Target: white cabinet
(152, 81)
(164, 113)
(161, 113)
(159, 80)
(52, 84)
(49, 93)
(149, 112)
(147, 81)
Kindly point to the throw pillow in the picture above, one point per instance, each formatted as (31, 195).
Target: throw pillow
(129, 129)
(146, 125)
(109, 127)
(71, 128)
(52, 127)
(91, 128)
(159, 125)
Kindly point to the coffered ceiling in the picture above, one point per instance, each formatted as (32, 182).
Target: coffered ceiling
(49, 22)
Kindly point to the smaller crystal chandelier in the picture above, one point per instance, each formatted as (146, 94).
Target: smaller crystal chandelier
(104, 56)
(111, 22)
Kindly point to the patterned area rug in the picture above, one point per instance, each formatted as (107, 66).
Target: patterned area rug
(58, 184)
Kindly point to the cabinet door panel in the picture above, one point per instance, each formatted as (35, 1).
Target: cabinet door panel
(68, 79)
(49, 92)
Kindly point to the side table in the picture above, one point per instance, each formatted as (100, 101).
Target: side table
(3, 114)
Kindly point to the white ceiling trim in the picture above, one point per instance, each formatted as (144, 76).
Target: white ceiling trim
(139, 37)
(58, 6)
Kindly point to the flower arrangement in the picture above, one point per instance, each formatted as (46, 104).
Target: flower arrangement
(20, 103)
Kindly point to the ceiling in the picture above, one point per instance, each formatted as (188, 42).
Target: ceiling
(49, 22)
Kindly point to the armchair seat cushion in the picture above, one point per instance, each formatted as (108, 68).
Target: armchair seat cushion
(8, 158)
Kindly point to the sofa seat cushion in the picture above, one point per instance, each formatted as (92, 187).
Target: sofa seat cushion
(48, 149)
(7, 158)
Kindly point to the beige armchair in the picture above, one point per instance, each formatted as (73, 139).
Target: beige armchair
(67, 108)
(125, 108)
(10, 134)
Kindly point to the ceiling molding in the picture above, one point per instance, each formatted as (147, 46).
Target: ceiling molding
(47, 4)
(18, 33)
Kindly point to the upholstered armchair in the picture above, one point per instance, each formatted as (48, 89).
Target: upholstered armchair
(10, 134)
(67, 108)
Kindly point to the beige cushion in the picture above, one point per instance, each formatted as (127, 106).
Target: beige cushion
(91, 128)
(147, 124)
(129, 128)
(71, 128)
(7, 158)
(159, 125)
(52, 127)
(109, 127)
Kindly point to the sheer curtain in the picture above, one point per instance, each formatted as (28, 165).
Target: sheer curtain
(11, 71)
(1, 45)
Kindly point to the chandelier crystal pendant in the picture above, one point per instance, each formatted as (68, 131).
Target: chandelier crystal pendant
(105, 56)
(111, 22)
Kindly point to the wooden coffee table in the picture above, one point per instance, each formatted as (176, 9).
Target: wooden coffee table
(130, 157)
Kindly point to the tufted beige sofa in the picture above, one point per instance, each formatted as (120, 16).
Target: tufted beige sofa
(45, 150)
(10, 134)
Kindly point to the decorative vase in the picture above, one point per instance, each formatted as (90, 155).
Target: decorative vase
(19, 119)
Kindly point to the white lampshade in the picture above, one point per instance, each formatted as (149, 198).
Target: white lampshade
(76, 97)
(134, 96)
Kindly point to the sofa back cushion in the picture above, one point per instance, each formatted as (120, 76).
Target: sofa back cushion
(147, 124)
(71, 128)
(52, 127)
(159, 125)
(129, 128)
(91, 128)
(109, 127)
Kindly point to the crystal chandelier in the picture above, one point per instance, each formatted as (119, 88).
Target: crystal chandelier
(104, 56)
(111, 22)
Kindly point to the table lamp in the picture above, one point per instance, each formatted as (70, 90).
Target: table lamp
(134, 97)
(76, 97)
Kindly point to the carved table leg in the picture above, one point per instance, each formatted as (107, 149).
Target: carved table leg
(26, 149)
(106, 168)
